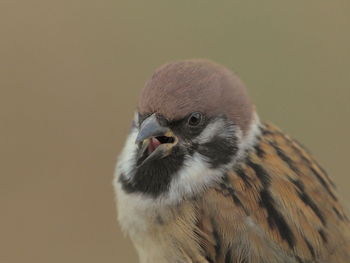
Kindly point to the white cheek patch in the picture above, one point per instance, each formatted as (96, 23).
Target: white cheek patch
(196, 175)
(212, 129)
(193, 178)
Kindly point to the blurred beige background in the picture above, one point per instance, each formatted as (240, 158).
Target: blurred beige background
(70, 73)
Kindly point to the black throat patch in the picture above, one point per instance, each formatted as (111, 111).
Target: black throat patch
(153, 178)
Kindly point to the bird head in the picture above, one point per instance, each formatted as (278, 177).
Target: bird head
(194, 120)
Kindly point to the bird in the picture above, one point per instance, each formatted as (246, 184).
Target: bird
(201, 179)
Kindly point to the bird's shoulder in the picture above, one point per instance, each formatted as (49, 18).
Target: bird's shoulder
(276, 205)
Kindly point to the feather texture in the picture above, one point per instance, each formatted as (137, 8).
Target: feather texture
(276, 205)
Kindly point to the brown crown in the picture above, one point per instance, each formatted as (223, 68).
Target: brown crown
(177, 89)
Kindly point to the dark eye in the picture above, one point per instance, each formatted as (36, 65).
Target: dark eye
(195, 119)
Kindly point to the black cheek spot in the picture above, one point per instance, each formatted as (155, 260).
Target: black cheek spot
(219, 151)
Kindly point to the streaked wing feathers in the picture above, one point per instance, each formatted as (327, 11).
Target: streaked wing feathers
(277, 206)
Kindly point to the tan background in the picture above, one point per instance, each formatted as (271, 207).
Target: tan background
(70, 72)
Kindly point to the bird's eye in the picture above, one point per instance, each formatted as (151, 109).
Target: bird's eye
(195, 119)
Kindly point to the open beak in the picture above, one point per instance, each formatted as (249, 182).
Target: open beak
(156, 141)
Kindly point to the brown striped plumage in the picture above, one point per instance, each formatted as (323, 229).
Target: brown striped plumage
(206, 182)
(277, 205)
(294, 214)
